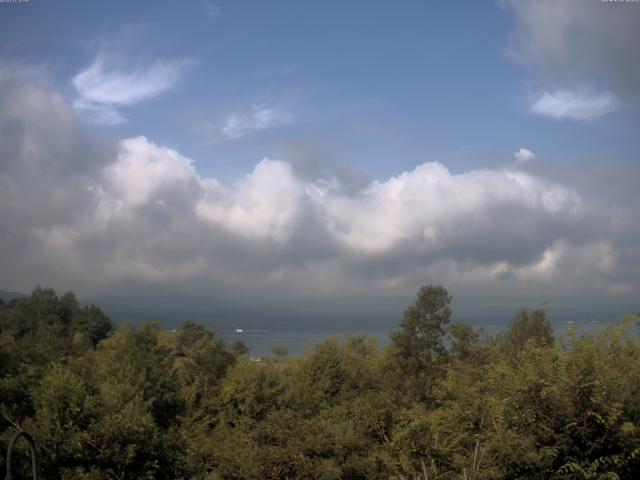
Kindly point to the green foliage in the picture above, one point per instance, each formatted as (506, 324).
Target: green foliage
(280, 351)
(419, 350)
(465, 342)
(529, 326)
(143, 403)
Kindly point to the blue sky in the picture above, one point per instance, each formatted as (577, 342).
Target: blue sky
(339, 97)
(389, 87)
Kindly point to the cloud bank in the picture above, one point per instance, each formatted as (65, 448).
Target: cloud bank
(90, 215)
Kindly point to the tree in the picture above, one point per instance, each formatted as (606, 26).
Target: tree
(529, 326)
(92, 323)
(205, 360)
(191, 333)
(418, 346)
(464, 341)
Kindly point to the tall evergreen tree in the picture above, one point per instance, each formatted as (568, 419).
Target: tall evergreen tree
(420, 352)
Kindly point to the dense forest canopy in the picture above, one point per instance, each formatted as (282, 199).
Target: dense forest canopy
(441, 401)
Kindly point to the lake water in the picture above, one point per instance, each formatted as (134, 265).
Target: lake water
(261, 342)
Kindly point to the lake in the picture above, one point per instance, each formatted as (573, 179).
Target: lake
(261, 342)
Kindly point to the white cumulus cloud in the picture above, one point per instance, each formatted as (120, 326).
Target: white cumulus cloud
(143, 169)
(263, 204)
(79, 213)
(524, 155)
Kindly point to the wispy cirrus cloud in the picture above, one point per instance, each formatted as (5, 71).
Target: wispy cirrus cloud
(100, 113)
(242, 123)
(211, 9)
(575, 105)
(107, 84)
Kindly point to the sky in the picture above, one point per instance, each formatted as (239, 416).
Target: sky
(323, 160)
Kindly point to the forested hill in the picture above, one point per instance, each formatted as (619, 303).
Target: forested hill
(7, 296)
(439, 402)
